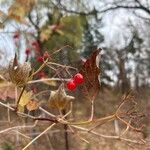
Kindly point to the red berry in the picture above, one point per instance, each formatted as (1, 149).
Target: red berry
(71, 85)
(39, 59)
(16, 36)
(35, 44)
(78, 78)
(34, 89)
(41, 74)
(27, 51)
(46, 55)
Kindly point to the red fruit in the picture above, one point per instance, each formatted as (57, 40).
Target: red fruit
(71, 85)
(39, 59)
(78, 78)
(34, 89)
(46, 55)
(41, 74)
(35, 44)
(27, 51)
(16, 36)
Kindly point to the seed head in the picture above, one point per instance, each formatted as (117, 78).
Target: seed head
(19, 73)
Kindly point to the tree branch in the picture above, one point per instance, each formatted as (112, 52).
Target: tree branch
(117, 6)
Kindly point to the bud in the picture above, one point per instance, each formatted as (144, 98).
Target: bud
(19, 73)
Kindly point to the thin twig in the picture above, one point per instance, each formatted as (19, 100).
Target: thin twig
(107, 136)
(38, 136)
(16, 127)
(40, 68)
(46, 79)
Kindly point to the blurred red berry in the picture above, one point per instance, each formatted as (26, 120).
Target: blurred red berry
(46, 55)
(16, 36)
(34, 89)
(71, 85)
(41, 74)
(35, 44)
(78, 78)
(39, 59)
(27, 51)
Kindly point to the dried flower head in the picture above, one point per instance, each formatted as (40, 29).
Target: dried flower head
(19, 73)
(59, 99)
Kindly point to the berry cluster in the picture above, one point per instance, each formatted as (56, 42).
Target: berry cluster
(76, 80)
(43, 58)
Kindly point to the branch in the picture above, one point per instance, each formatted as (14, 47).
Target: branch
(107, 136)
(93, 12)
(46, 130)
(32, 22)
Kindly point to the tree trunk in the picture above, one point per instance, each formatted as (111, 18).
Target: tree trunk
(123, 81)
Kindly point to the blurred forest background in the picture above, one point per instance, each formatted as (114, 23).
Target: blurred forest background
(121, 28)
(78, 27)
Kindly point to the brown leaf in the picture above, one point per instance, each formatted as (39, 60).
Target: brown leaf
(27, 2)
(19, 9)
(32, 105)
(7, 90)
(91, 73)
(3, 19)
(17, 12)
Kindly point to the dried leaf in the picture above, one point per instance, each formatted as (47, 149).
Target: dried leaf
(25, 98)
(20, 108)
(27, 2)
(3, 19)
(91, 72)
(20, 8)
(17, 12)
(59, 99)
(32, 105)
(7, 90)
(45, 34)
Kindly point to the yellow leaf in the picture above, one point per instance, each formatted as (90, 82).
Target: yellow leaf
(25, 98)
(3, 19)
(45, 34)
(27, 2)
(17, 12)
(20, 108)
(19, 9)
